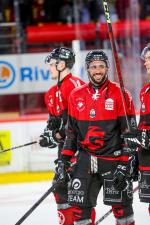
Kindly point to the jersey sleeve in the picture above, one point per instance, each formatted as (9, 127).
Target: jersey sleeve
(126, 112)
(48, 98)
(70, 145)
(71, 85)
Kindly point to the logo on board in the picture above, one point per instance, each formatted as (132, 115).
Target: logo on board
(7, 74)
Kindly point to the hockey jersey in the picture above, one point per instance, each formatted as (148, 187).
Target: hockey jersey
(56, 98)
(145, 107)
(97, 117)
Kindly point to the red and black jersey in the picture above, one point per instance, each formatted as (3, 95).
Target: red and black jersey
(145, 107)
(97, 118)
(56, 98)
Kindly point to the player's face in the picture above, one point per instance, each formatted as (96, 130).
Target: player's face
(147, 62)
(52, 69)
(97, 71)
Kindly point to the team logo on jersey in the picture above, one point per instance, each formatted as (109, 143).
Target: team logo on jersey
(109, 104)
(76, 184)
(61, 218)
(94, 138)
(80, 104)
(92, 113)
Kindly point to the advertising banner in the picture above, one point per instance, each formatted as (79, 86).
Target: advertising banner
(27, 73)
(5, 143)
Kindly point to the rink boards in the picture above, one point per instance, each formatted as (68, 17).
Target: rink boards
(27, 163)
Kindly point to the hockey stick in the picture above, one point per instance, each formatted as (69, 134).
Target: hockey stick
(51, 189)
(116, 57)
(110, 211)
(20, 146)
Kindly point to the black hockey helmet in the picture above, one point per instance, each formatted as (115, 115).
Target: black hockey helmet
(96, 55)
(68, 56)
(52, 55)
(64, 54)
(144, 51)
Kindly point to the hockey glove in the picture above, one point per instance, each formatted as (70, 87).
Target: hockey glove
(48, 139)
(62, 169)
(131, 139)
(120, 182)
(145, 139)
(57, 124)
(125, 173)
(137, 139)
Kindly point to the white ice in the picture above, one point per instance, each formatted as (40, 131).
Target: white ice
(16, 199)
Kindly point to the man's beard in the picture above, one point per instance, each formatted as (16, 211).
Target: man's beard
(98, 83)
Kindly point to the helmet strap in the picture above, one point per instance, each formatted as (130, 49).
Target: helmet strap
(59, 81)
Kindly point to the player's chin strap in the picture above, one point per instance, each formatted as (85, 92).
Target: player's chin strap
(59, 72)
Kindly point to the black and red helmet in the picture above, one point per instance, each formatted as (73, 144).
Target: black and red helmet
(95, 55)
(64, 54)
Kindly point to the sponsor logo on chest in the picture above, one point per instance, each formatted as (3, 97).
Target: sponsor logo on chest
(109, 104)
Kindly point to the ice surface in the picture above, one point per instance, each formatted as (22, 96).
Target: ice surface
(16, 199)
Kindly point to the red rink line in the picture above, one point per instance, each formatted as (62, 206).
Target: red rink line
(27, 118)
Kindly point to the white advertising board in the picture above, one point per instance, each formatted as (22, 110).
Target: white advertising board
(24, 73)
(32, 157)
(27, 73)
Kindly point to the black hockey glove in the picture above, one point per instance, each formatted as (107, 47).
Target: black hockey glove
(132, 139)
(137, 139)
(120, 182)
(57, 124)
(62, 169)
(145, 139)
(48, 139)
(125, 173)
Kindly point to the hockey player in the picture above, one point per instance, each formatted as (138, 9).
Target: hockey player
(142, 137)
(144, 126)
(96, 120)
(59, 61)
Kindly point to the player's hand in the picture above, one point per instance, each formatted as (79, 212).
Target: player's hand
(120, 182)
(137, 139)
(62, 169)
(48, 139)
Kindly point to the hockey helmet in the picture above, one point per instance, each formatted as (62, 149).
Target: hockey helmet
(64, 54)
(144, 51)
(95, 55)
(68, 56)
(52, 55)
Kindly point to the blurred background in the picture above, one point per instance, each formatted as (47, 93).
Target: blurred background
(29, 29)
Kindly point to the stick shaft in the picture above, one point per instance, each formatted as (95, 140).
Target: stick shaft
(116, 57)
(20, 146)
(20, 221)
